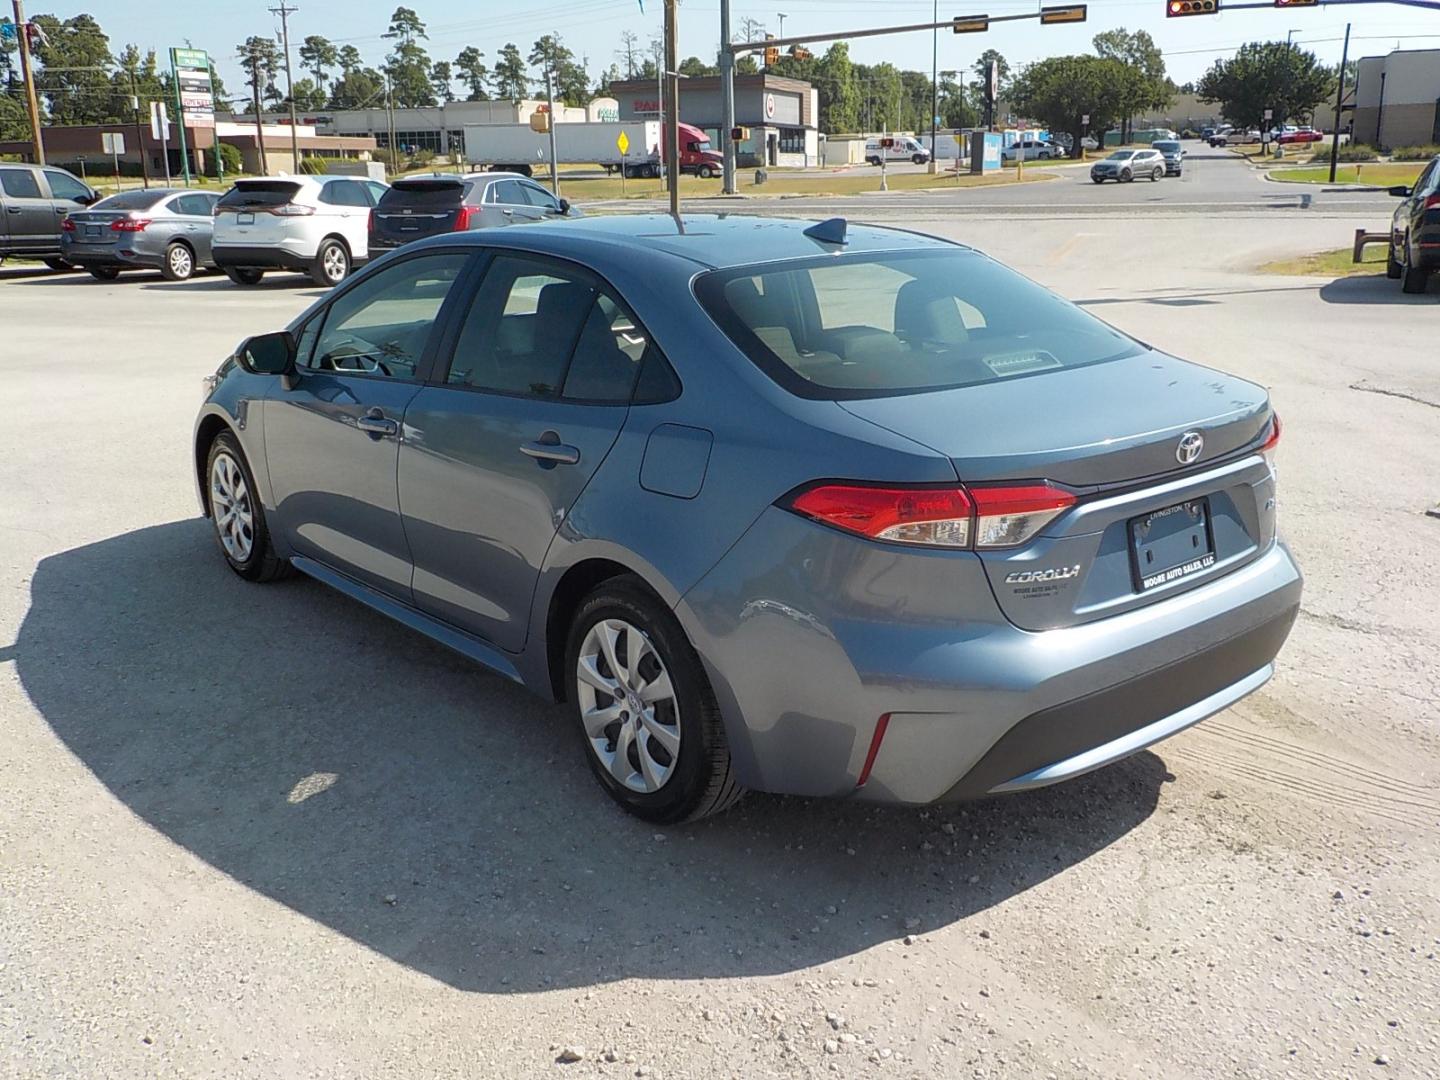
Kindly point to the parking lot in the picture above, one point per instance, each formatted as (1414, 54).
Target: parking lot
(268, 833)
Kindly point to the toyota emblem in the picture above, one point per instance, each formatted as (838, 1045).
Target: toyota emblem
(1191, 443)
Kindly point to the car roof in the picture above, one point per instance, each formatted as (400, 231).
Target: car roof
(710, 241)
(474, 177)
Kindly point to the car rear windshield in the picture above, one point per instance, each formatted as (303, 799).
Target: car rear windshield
(879, 324)
(131, 200)
(259, 193)
(424, 195)
(1164, 146)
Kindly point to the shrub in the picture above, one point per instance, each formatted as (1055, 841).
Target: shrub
(1356, 152)
(1414, 153)
(230, 157)
(312, 165)
(422, 158)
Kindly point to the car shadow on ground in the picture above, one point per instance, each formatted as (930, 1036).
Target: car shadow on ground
(1375, 289)
(339, 764)
(218, 282)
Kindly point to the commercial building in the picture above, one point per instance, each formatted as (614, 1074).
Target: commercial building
(80, 148)
(439, 128)
(1397, 99)
(782, 114)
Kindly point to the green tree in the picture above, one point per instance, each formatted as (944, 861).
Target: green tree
(260, 59)
(14, 124)
(837, 89)
(1266, 75)
(349, 58)
(408, 64)
(358, 88)
(978, 85)
(1145, 85)
(405, 26)
(73, 74)
(511, 79)
(319, 55)
(572, 81)
(1062, 90)
(694, 67)
(473, 73)
(308, 96)
(139, 75)
(441, 79)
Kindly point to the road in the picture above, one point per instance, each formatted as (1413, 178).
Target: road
(1214, 181)
(259, 832)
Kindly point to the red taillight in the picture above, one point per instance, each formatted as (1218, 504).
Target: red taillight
(1010, 514)
(129, 224)
(1268, 449)
(292, 210)
(1432, 202)
(996, 516)
(370, 221)
(875, 740)
(67, 225)
(464, 216)
(905, 515)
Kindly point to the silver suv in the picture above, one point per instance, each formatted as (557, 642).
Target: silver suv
(1125, 165)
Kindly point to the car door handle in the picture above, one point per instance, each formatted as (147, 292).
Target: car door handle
(377, 425)
(508, 213)
(14, 209)
(556, 452)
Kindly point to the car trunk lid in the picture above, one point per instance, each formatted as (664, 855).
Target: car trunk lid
(416, 208)
(247, 213)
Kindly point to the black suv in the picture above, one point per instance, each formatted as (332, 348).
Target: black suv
(419, 206)
(1415, 231)
(34, 200)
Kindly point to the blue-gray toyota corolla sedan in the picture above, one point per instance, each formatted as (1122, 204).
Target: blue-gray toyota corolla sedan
(771, 504)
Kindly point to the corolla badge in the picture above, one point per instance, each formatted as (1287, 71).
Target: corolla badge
(1189, 448)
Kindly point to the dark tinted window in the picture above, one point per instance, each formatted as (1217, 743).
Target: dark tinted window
(424, 195)
(508, 191)
(343, 193)
(131, 200)
(19, 183)
(194, 205)
(65, 186)
(380, 326)
(893, 323)
(538, 196)
(375, 190)
(260, 193)
(607, 355)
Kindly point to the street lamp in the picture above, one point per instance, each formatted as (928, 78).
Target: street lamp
(782, 17)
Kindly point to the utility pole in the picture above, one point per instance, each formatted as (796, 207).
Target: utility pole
(259, 121)
(28, 74)
(390, 124)
(285, 13)
(727, 102)
(550, 97)
(139, 134)
(672, 116)
(934, 89)
(1339, 104)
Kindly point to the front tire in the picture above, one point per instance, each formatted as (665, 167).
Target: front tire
(1156, 174)
(706, 172)
(1126, 176)
(103, 273)
(244, 275)
(1098, 179)
(179, 263)
(331, 265)
(236, 513)
(652, 730)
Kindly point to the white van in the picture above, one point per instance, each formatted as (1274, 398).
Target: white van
(904, 149)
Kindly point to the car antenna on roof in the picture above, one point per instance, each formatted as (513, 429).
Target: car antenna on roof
(829, 231)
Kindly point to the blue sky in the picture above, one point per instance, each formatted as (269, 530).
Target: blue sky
(593, 27)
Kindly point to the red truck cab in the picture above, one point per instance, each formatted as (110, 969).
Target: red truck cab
(696, 154)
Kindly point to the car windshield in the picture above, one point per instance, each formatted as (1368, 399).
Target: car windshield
(259, 193)
(131, 200)
(1121, 155)
(873, 325)
(1166, 147)
(423, 194)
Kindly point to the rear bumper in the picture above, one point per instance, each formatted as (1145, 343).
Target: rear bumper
(120, 259)
(810, 638)
(260, 258)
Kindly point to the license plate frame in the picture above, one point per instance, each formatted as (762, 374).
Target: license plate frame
(92, 230)
(1171, 544)
(244, 219)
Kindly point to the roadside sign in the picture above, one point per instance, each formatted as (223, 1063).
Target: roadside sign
(112, 142)
(1070, 13)
(1269, 114)
(622, 143)
(196, 91)
(1085, 119)
(970, 24)
(159, 121)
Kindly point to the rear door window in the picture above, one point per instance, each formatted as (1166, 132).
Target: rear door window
(193, 205)
(19, 184)
(509, 192)
(344, 193)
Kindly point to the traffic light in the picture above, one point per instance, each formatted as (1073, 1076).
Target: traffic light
(772, 52)
(1177, 9)
(739, 134)
(799, 52)
(971, 24)
(1295, 3)
(1070, 13)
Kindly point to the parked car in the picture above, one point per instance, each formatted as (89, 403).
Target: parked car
(1089, 142)
(704, 483)
(34, 201)
(1125, 165)
(1299, 135)
(1414, 252)
(1219, 135)
(1173, 153)
(1235, 138)
(319, 225)
(1031, 150)
(165, 229)
(903, 148)
(418, 206)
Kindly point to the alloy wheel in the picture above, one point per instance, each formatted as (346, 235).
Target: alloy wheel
(230, 508)
(181, 262)
(628, 705)
(333, 263)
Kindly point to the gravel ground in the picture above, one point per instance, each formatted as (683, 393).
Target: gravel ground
(262, 832)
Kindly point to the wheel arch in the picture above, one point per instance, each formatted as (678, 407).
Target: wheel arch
(206, 431)
(575, 583)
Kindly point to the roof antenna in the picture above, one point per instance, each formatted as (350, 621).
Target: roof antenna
(829, 231)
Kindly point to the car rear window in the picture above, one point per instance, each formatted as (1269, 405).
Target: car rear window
(1163, 146)
(260, 193)
(424, 195)
(131, 200)
(879, 324)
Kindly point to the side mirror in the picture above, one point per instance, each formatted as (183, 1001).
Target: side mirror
(89, 200)
(564, 206)
(268, 354)
(1400, 191)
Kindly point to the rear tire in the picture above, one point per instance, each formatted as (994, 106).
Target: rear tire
(244, 275)
(230, 494)
(103, 273)
(331, 265)
(179, 263)
(1413, 279)
(651, 651)
(1393, 269)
